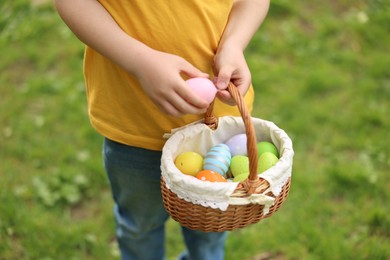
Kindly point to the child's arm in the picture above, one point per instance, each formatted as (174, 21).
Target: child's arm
(229, 62)
(94, 26)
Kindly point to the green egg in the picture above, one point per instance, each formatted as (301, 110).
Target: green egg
(266, 161)
(239, 164)
(241, 177)
(265, 146)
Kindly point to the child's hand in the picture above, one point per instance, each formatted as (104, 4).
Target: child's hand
(160, 76)
(230, 65)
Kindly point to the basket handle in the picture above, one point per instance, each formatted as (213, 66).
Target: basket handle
(211, 121)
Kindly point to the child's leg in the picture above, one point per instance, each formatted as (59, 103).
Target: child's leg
(134, 175)
(203, 245)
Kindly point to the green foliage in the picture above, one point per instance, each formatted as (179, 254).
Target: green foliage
(320, 71)
(60, 188)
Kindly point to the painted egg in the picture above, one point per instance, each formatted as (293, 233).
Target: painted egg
(203, 87)
(239, 165)
(241, 177)
(189, 163)
(207, 175)
(237, 144)
(265, 146)
(266, 161)
(218, 159)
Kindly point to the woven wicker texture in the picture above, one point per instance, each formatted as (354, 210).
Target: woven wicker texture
(208, 219)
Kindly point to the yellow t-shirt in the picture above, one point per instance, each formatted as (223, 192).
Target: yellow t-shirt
(118, 107)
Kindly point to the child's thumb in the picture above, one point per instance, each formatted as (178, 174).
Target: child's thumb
(222, 80)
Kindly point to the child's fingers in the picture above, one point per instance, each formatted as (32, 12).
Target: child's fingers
(225, 97)
(223, 78)
(182, 106)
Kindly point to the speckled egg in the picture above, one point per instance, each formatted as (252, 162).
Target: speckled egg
(237, 144)
(189, 163)
(218, 159)
(212, 176)
(242, 177)
(266, 161)
(239, 165)
(265, 146)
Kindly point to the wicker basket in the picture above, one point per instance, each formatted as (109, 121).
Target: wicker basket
(209, 219)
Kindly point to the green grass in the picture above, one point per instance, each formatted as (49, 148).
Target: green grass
(321, 72)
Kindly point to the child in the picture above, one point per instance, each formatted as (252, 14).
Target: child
(139, 54)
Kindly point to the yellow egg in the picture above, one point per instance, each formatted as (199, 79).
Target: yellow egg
(189, 163)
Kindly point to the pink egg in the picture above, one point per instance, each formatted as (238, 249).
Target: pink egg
(203, 87)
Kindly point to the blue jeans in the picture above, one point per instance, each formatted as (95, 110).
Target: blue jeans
(134, 175)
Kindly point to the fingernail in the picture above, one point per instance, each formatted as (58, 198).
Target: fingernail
(221, 85)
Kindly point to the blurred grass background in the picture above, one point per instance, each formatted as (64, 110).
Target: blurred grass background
(321, 71)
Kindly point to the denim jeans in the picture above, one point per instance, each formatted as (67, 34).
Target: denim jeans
(134, 174)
